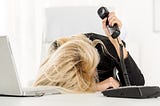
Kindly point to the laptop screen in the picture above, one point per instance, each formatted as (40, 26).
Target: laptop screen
(9, 82)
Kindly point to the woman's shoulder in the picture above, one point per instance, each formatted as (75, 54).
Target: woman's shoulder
(103, 38)
(93, 36)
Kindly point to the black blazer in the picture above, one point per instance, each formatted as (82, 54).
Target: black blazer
(108, 63)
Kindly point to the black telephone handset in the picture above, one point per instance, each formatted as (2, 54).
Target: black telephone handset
(114, 30)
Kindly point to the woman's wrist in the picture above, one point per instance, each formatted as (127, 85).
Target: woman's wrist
(98, 87)
(116, 43)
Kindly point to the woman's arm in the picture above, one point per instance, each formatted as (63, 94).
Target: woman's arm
(112, 19)
(134, 73)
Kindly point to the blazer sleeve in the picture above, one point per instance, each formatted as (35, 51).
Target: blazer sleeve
(134, 73)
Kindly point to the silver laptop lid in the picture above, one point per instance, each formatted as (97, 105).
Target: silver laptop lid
(9, 82)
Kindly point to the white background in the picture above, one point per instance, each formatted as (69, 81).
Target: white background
(157, 15)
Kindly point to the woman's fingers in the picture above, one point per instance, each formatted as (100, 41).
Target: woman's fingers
(108, 83)
(106, 30)
(112, 19)
(113, 83)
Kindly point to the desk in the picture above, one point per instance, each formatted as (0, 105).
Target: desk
(96, 99)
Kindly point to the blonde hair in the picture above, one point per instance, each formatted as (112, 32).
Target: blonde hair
(57, 43)
(72, 65)
(60, 41)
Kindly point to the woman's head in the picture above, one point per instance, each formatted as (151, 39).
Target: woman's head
(60, 41)
(72, 66)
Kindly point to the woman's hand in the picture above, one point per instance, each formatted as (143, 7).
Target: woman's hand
(112, 19)
(108, 83)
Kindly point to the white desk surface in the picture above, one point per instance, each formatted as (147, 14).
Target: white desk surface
(76, 100)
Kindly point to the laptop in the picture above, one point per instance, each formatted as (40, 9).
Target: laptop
(9, 80)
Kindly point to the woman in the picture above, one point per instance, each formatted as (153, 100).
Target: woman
(108, 49)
